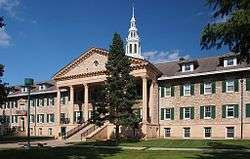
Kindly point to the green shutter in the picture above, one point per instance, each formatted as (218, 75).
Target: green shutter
(42, 101)
(192, 89)
(172, 91)
(192, 112)
(181, 90)
(213, 112)
(236, 110)
(224, 107)
(181, 113)
(223, 86)
(201, 88)
(53, 101)
(172, 113)
(48, 101)
(74, 120)
(248, 84)
(47, 118)
(162, 92)
(201, 112)
(162, 113)
(213, 87)
(236, 85)
(247, 110)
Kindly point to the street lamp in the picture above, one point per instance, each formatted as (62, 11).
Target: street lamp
(28, 82)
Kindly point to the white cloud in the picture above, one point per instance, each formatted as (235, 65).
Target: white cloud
(164, 56)
(9, 6)
(4, 38)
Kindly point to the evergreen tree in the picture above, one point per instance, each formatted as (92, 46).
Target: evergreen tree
(1, 22)
(233, 32)
(3, 90)
(115, 101)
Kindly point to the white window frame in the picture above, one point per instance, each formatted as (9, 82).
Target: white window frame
(190, 65)
(187, 87)
(227, 107)
(50, 131)
(187, 128)
(226, 132)
(77, 115)
(165, 132)
(205, 132)
(50, 117)
(226, 62)
(231, 82)
(190, 113)
(40, 117)
(24, 89)
(165, 91)
(165, 113)
(210, 111)
(208, 85)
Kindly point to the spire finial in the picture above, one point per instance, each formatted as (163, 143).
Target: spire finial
(133, 7)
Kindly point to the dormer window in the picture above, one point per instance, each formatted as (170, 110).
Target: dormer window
(24, 89)
(187, 67)
(42, 87)
(230, 62)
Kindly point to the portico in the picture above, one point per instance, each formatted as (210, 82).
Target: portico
(83, 75)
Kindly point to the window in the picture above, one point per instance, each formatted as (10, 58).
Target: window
(207, 132)
(31, 131)
(207, 112)
(32, 118)
(14, 119)
(230, 62)
(24, 89)
(135, 48)
(187, 113)
(167, 113)
(167, 132)
(130, 48)
(187, 90)
(42, 87)
(187, 67)
(50, 131)
(41, 101)
(230, 86)
(207, 88)
(40, 131)
(230, 132)
(50, 118)
(40, 118)
(186, 132)
(166, 91)
(230, 111)
(77, 116)
(52, 101)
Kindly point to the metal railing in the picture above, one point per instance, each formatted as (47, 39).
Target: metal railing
(76, 129)
(89, 131)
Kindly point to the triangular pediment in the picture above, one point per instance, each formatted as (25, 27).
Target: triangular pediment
(90, 63)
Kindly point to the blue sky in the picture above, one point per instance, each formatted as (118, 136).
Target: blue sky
(42, 36)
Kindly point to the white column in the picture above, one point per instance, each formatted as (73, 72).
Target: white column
(86, 102)
(144, 99)
(58, 106)
(72, 103)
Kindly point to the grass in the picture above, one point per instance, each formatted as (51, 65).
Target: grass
(15, 139)
(218, 144)
(76, 152)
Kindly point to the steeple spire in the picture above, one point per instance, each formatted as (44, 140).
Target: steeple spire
(133, 46)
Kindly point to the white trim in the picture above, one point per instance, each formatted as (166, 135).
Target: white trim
(184, 132)
(205, 112)
(165, 132)
(226, 132)
(205, 73)
(204, 85)
(36, 93)
(190, 113)
(227, 111)
(227, 82)
(204, 133)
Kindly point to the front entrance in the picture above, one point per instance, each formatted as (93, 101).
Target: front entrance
(63, 131)
(22, 124)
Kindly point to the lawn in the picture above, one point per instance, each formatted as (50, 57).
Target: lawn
(218, 144)
(15, 139)
(73, 152)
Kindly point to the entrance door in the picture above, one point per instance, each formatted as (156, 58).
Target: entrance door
(22, 124)
(63, 131)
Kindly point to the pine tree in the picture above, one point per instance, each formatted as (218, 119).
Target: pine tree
(233, 32)
(1, 22)
(115, 101)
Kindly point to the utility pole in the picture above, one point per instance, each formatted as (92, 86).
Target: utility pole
(28, 82)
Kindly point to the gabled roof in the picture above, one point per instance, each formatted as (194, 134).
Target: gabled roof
(74, 63)
(204, 65)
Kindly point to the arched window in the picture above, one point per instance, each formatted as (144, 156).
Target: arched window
(135, 49)
(130, 48)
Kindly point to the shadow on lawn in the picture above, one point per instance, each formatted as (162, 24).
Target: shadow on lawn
(70, 152)
(109, 142)
(220, 154)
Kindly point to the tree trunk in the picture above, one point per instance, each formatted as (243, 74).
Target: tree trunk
(117, 131)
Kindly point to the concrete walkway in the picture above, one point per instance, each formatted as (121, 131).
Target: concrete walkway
(164, 148)
(61, 143)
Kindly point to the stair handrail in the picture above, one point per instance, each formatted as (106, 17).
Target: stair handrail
(76, 129)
